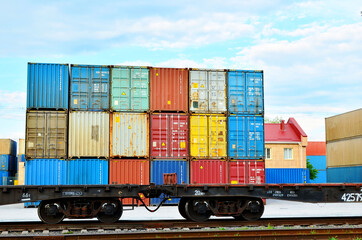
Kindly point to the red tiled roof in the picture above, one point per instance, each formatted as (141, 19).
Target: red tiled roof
(292, 132)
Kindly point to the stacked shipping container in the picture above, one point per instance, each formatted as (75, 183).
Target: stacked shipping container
(316, 155)
(8, 161)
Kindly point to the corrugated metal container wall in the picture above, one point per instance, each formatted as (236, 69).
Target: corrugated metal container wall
(21, 173)
(89, 88)
(46, 134)
(21, 158)
(286, 175)
(21, 147)
(208, 136)
(344, 174)
(169, 89)
(316, 148)
(88, 134)
(8, 146)
(48, 86)
(207, 91)
(246, 137)
(245, 92)
(129, 135)
(159, 167)
(129, 171)
(169, 135)
(344, 153)
(87, 171)
(321, 177)
(245, 172)
(8, 163)
(208, 172)
(318, 162)
(345, 125)
(130, 89)
(5, 176)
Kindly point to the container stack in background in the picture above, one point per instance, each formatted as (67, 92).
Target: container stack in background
(344, 151)
(246, 127)
(20, 178)
(8, 161)
(316, 155)
(129, 127)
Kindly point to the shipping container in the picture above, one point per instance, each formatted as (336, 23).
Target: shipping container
(8, 163)
(46, 134)
(87, 171)
(159, 167)
(8, 146)
(88, 134)
(318, 162)
(286, 175)
(129, 135)
(346, 125)
(48, 86)
(21, 173)
(169, 135)
(209, 171)
(245, 137)
(321, 177)
(344, 153)
(208, 91)
(246, 172)
(169, 89)
(21, 146)
(21, 158)
(130, 171)
(130, 89)
(344, 174)
(208, 136)
(89, 88)
(316, 149)
(5, 177)
(245, 92)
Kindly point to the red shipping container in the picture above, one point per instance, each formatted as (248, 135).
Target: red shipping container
(169, 135)
(316, 149)
(247, 172)
(129, 171)
(169, 89)
(208, 172)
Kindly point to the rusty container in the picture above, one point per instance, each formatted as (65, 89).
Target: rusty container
(169, 89)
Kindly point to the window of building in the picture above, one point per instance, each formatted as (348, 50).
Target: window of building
(288, 153)
(268, 153)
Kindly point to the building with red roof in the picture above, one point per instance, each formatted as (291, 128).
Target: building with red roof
(285, 145)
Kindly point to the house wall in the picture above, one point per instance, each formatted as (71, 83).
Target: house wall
(277, 155)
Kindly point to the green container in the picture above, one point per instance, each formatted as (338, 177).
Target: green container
(130, 89)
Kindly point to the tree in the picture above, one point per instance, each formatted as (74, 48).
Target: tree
(274, 120)
(313, 173)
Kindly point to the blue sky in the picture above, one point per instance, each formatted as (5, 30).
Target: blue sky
(310, 51)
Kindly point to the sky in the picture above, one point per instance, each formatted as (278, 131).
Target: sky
(310, 51)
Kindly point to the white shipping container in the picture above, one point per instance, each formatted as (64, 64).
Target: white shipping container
(88, 134)
(207, 91)
(129, 135)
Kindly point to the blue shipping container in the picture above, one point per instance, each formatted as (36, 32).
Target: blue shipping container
(321, 177)
(318, 162)
(286, 175)
(8, 163)
(245, 92)
(21, 158)
(344, 174)
(159, 167)
(87, 171)
(48, 86)
(245, 137)
(89, 88)
(5, 177)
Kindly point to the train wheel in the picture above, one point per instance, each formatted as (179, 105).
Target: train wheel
(182, 208)
(49, 212)
(254, 210)
(110, 212)
(197, 210)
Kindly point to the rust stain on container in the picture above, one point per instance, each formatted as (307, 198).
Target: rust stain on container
(169, 89)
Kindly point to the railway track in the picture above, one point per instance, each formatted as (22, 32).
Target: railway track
(286, 228)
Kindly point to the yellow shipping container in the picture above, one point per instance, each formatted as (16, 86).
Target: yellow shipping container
(344, 153)
(208, 136)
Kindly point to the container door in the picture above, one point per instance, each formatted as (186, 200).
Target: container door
(120, 89)
(160, 135)
(80, 88)
(255, 144)
(178, 136)
(4, 162)
(56, 135)
(238, 172)
(35, 134)
(254, 96)
(208, 172)
(199, 91)
(256, 173)
(99, 88)
(236, 91)
(217, 92)
(139, 89)
(198, 134)
(237, 137)
(217, 136)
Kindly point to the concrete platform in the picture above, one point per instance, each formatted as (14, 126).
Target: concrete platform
(273, 209)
